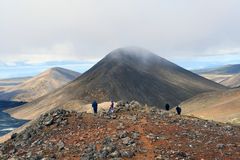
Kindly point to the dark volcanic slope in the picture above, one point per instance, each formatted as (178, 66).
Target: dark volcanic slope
(137, 74)
(128, 74)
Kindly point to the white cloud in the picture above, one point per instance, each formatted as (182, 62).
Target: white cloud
(229, 51)
(57, 30)
(57, 52)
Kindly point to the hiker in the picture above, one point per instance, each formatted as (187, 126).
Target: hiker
(167, 107)
(95, 106)
(111, 109)
(179, 110)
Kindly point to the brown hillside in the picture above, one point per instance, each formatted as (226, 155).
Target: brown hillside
(222, 106)
(39, 85)
(233, 81)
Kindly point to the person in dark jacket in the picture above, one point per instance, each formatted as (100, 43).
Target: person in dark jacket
(167, 107)
(179, 110)
(95, 106)
(111, 109)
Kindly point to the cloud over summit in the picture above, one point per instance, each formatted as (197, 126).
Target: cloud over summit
(58, 30)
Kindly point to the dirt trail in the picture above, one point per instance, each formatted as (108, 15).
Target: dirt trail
(146, 143)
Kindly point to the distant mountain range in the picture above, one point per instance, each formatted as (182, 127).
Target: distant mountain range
(228, 75)
(29, 89)
(125, 74)
(12, 81)
(227, 69)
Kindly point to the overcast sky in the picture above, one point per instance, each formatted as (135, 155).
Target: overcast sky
(37, 34)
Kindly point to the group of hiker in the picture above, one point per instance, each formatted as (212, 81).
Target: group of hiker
(111, 108)
(95, 107)
(178, 109)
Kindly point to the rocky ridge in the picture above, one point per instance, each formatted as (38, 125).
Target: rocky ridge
(133, 131)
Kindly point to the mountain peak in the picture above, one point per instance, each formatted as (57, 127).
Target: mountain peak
(136, 52)
(53, 69)
(153, 81)
(60, 71)
(56, 68)
(131, 50)
(40, 85)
